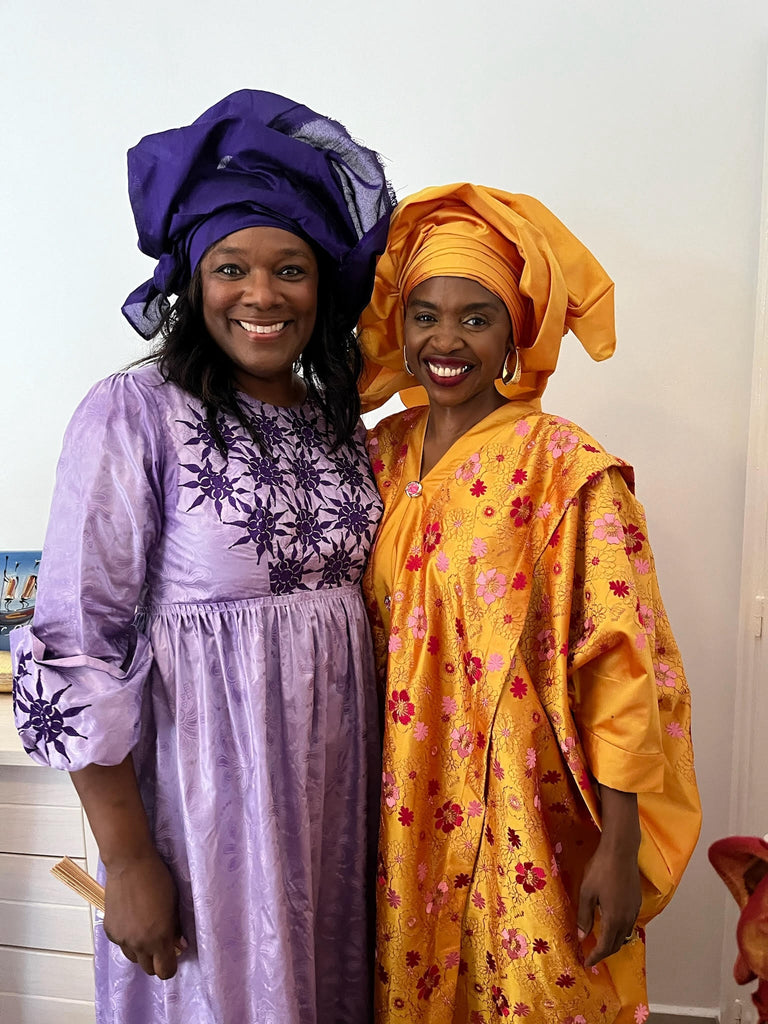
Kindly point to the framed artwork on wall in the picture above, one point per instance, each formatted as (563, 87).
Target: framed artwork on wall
(17, 601)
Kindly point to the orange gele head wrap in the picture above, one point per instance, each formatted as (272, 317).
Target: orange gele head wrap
(510, 244)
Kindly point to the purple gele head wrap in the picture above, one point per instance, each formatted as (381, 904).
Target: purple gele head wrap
(256, 158)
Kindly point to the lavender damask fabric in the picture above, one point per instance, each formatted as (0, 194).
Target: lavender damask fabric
(244, 685)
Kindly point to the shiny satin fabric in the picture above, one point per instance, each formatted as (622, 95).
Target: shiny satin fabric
(513, 246)
(742, 863)
(244, 685)
(255, 155)
(526, 657)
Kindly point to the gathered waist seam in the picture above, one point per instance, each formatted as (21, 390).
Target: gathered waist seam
(299, 597)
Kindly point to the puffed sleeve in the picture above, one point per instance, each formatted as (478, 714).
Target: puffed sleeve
(81, 667)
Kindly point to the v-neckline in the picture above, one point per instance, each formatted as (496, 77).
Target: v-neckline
(415, 459)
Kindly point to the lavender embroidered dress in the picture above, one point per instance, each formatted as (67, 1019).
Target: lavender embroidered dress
(244, 686)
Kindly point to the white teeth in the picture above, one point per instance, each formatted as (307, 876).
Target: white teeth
(447, 371)
(261, 328)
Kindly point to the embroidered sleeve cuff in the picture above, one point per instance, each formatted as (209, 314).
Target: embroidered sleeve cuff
(74, 711)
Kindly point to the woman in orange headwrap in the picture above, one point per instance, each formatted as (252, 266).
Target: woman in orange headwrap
(539, 802)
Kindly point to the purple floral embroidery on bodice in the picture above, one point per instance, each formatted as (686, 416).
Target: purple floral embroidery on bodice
(310, 512)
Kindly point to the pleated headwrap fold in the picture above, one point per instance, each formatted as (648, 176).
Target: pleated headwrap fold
(510, 244)
(256, 158)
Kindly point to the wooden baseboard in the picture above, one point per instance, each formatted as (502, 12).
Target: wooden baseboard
(682, 1015)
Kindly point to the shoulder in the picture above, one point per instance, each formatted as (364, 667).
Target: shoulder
(124, 386)
(360, 435)
(128, 407)
(391, 433)
(571, 450)
(128, 392)
(557, 432)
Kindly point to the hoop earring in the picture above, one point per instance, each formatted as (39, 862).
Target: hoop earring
(408, 370)
(513, 377)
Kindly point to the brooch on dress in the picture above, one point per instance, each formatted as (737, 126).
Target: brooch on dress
(413, 489)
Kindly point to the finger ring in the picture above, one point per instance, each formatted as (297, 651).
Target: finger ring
(628, 939)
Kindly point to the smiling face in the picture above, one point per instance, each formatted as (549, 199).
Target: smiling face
(457, 335)
(259, 295)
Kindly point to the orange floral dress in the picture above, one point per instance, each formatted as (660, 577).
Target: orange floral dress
(525, 654)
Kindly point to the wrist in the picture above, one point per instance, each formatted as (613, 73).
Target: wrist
(118, 858)
(621, 842)
(621, 821)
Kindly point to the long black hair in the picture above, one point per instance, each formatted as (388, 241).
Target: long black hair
(330, 364)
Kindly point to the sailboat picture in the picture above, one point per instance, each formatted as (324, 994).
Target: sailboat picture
(17, 591)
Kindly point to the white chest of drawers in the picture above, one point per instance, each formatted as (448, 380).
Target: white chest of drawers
(46, 939)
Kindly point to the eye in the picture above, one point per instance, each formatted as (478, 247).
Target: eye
(228, 270)
(476, 320)
(292, 271)
(424, 318)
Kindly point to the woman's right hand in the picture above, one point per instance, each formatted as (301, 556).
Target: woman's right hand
(141, 914)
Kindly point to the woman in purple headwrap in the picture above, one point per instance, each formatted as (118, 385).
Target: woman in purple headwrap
(200, 657)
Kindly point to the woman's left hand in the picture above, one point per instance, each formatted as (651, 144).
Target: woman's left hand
(612, 877)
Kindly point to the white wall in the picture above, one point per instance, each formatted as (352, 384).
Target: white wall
(638, 121)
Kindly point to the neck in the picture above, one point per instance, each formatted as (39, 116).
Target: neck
(286, 392)
(447, 425)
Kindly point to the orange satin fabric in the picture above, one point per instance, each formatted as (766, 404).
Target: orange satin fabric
(525, 654)
(512, 245)
(742, 863)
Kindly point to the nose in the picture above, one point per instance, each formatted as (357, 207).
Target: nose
(259, 290)
(444, 339)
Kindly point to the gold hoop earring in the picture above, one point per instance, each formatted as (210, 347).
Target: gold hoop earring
(408, 370)
(513, 377)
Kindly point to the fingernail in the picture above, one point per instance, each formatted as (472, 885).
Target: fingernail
(183, 944)
(582, 935)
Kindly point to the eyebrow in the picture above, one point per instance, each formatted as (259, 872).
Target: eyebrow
(423, 304)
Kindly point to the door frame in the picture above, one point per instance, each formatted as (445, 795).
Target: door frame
(749, 778)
